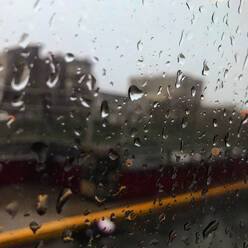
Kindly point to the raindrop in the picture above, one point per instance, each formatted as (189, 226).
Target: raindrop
(172, 236)
(134, 93)
(36, 4)
(240, 5)
(54, 74)
(21, 84)
(210, 228)
(179, 79)
(245, 60)
(225, 73)
(181, 58)
(129, 162)
(52, 80)
(23, 42)
(213, 18)
(155, 104)
(77, 132)
(89, 80)
(67, 236)
(187, 226)
(104, 109)
(181, 38)
(51, 19)
(187, 111)
(41, 205)
(17, 101)
(106, 226)
(69, 57)
(113, 155)
(184, 123)
(85, 102)
(159, 90)
(215, 124)
(205, 69)
(164, 135)
(11, 119)
(137, 142)
(62, 199)
(226, 139)
(193, 91)
(12, 208)
(162, 218)
(168, 88)
(139, 45)
(133, 132)
(34, 226)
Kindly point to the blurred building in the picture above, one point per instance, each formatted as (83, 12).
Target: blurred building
(32, 85)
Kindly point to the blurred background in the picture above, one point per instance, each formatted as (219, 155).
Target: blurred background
(147, 97)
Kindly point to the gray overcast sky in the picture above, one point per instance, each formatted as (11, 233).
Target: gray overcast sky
(111, 29)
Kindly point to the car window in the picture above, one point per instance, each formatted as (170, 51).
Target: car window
(123, 123)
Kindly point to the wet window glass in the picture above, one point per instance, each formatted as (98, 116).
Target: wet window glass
(123, 123)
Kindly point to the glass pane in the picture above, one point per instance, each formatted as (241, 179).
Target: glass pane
(123, 123)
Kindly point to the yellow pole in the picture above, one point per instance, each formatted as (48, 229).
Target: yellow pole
(56, 228)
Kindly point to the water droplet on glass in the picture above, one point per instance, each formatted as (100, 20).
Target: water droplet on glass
(162, 218)
(164, 134)
(21, 84)
(187, 111)
(155, 104)
(104, 109)
(215, 124)
(23, 42)
(12, 208)
(137, 142)
(139, 45)
(18, 101)
(41, 205)
(129, 162)
(106, 226)
(67, 236)
(69, 57)
(215, 151)
(179, 79)
(89, 80)
(133, 132)
(226, 139)
(172, 236)
(205, 69)
(187, 226)
(113, 155)
(181, 58)
(62, 199)
(11, 119)
(184, 123)
(134, 93)
(193, 91)
(159, 90)
(34, 226)
(54, 73)
(85, 102)
(210, 228)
